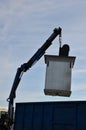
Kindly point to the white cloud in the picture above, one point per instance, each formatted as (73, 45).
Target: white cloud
(79, 71)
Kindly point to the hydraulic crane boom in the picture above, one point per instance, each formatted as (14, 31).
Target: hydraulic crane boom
(24, 67)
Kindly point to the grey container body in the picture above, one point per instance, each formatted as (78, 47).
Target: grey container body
(69, 115)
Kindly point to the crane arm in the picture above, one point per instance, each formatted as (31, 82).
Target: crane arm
(24, 67)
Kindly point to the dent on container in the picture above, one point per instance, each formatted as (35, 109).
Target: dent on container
(58, 75)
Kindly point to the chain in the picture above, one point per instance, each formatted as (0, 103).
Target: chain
(60, 40)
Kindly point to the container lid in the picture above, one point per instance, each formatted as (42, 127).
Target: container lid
(70, 59)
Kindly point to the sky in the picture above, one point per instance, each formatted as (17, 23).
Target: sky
(24, 27)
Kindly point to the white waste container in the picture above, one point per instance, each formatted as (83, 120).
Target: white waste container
(58, 75)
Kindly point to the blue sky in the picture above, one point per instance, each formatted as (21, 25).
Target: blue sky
(24, 27)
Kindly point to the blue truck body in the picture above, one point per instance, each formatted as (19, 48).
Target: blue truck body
(68, 115)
